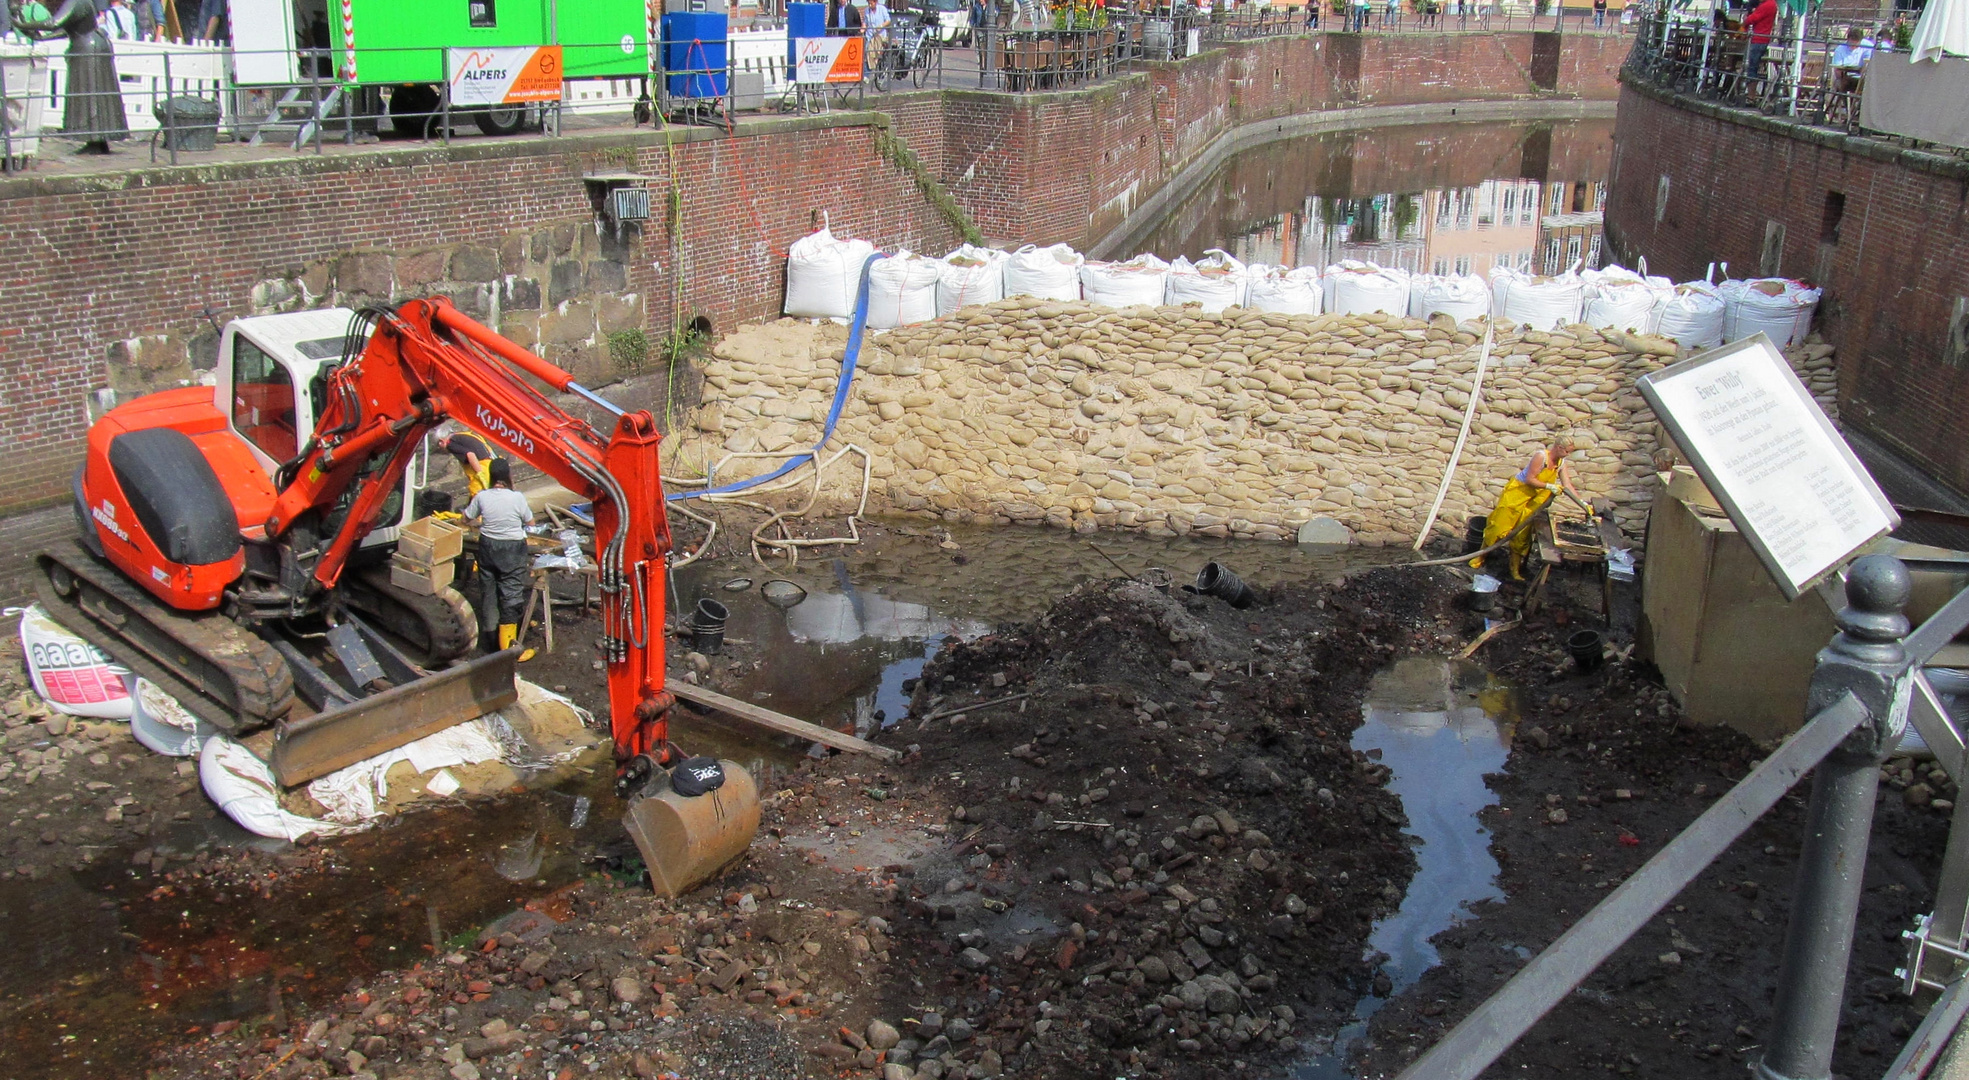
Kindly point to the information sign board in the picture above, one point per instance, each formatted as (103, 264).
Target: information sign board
(823, 60)
(1772, 459)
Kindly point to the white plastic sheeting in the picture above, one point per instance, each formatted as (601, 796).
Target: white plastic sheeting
(70, 674)
(902, 290)
(350, 794)
(1778, 307)
(1216, 281)
(823, 274)
(1460, 296)
(970, 275)
(1622, 299)
(1051, 273)
(243, 786)
(1140, 280)
(1542, 303)
(1289, 290)
(164, 726)
(1352, 287)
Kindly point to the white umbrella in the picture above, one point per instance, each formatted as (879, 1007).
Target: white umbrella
(1944, 28)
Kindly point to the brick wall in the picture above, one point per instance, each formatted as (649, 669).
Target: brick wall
(1893, 270)
(123, 267)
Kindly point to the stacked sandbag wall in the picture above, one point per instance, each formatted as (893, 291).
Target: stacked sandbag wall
(1173, 420)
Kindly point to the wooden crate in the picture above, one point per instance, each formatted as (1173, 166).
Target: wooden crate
(425, 580)
(429, 541)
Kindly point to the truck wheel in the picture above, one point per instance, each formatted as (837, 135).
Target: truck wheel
(412, 108)
(501, 119)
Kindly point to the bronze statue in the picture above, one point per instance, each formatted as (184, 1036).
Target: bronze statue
(93, 109)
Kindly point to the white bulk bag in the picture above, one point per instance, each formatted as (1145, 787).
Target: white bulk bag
(1692, 314)
(1216, 281)
(163, 725)
(902, 290)
(1622, 299)
(1357, 288)
(1542, 303)
(70, 674)
(823, 275)
(1288, 290)
(1051, 273)
(1140, 280)
(1778, 307)
(244, 788)
(970, 275)
(1460, 296)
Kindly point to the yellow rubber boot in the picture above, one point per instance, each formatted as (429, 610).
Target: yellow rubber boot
(507, 633)
(1517, 567)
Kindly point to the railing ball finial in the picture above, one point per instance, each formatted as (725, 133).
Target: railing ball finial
(1877, 591)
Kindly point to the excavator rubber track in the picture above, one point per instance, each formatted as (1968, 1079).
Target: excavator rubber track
(441, 627)
(218, 669)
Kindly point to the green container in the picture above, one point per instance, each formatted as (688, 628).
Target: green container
(405, 43)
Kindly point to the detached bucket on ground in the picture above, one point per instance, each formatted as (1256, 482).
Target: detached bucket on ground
(708, 627)
(1215, 580)
(1587, 649)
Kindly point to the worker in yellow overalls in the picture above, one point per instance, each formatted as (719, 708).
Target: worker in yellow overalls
(1525, 494)
(474, 459)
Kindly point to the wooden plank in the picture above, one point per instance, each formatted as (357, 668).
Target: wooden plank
(780, 722)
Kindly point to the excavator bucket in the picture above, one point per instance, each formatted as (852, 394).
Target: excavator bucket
(340, 736)
(686, 840)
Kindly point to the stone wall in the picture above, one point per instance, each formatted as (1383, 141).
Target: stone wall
(1171, 420)
(1883, 229)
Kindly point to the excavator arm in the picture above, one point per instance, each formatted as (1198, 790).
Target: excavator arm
(428, 362)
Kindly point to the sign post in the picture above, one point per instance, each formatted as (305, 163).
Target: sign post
(504, 76)
(1772, 459)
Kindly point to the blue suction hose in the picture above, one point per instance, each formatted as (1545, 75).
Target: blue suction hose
(841, 389)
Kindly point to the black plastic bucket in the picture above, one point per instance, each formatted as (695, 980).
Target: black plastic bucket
(1215, 580)
(1587, 649)
(1473, 534)
(708, 627)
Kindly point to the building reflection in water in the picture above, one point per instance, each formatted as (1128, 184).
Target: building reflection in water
(1435, 200)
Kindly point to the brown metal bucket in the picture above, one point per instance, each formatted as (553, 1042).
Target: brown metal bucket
(687, 840)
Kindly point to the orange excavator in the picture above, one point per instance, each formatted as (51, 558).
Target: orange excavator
(213, 575)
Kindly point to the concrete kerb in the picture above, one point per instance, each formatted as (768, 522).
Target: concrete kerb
(1120, 241)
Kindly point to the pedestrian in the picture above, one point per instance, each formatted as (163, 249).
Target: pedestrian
(875, 27)
(1524, 495)
(1599, 14)
(1312, 14)
(502, 515)
(215, 22)
(980, 18)
(119, 22)
(1360, 16)
(92, 100)
(474, 458)
(1758, 24)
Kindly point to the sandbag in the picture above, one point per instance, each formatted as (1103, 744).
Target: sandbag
(1460, 296)
(1051, 273)
(902, 290)
(1620, 299)
(823, 275)
(1284, 289)
(71, 675)
(1692, 314)
(1216, 281)
(1140, 280)
(1540, 302)
(243, 786)
(970, 275)
(1778, 307)
(164, 726)
(1356, 288)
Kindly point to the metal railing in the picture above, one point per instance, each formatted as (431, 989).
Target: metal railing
(1868, 687)
(1786, 76)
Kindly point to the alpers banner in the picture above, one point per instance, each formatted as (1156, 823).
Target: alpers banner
(828, 60)
(504, 76)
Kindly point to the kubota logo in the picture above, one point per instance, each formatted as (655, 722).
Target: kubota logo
(494, 426)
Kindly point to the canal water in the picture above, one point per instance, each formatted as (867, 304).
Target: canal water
(1427, 198)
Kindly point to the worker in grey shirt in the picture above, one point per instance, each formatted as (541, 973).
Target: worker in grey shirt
(502, 515)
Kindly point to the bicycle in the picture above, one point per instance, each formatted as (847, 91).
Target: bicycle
(910, 55)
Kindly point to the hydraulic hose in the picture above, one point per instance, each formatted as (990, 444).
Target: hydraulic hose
(841, 390)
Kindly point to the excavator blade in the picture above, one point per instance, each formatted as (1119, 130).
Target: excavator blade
(686, 840)
(317, 745)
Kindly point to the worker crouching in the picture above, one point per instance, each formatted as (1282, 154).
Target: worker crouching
(1524, 495)
(502, 515)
